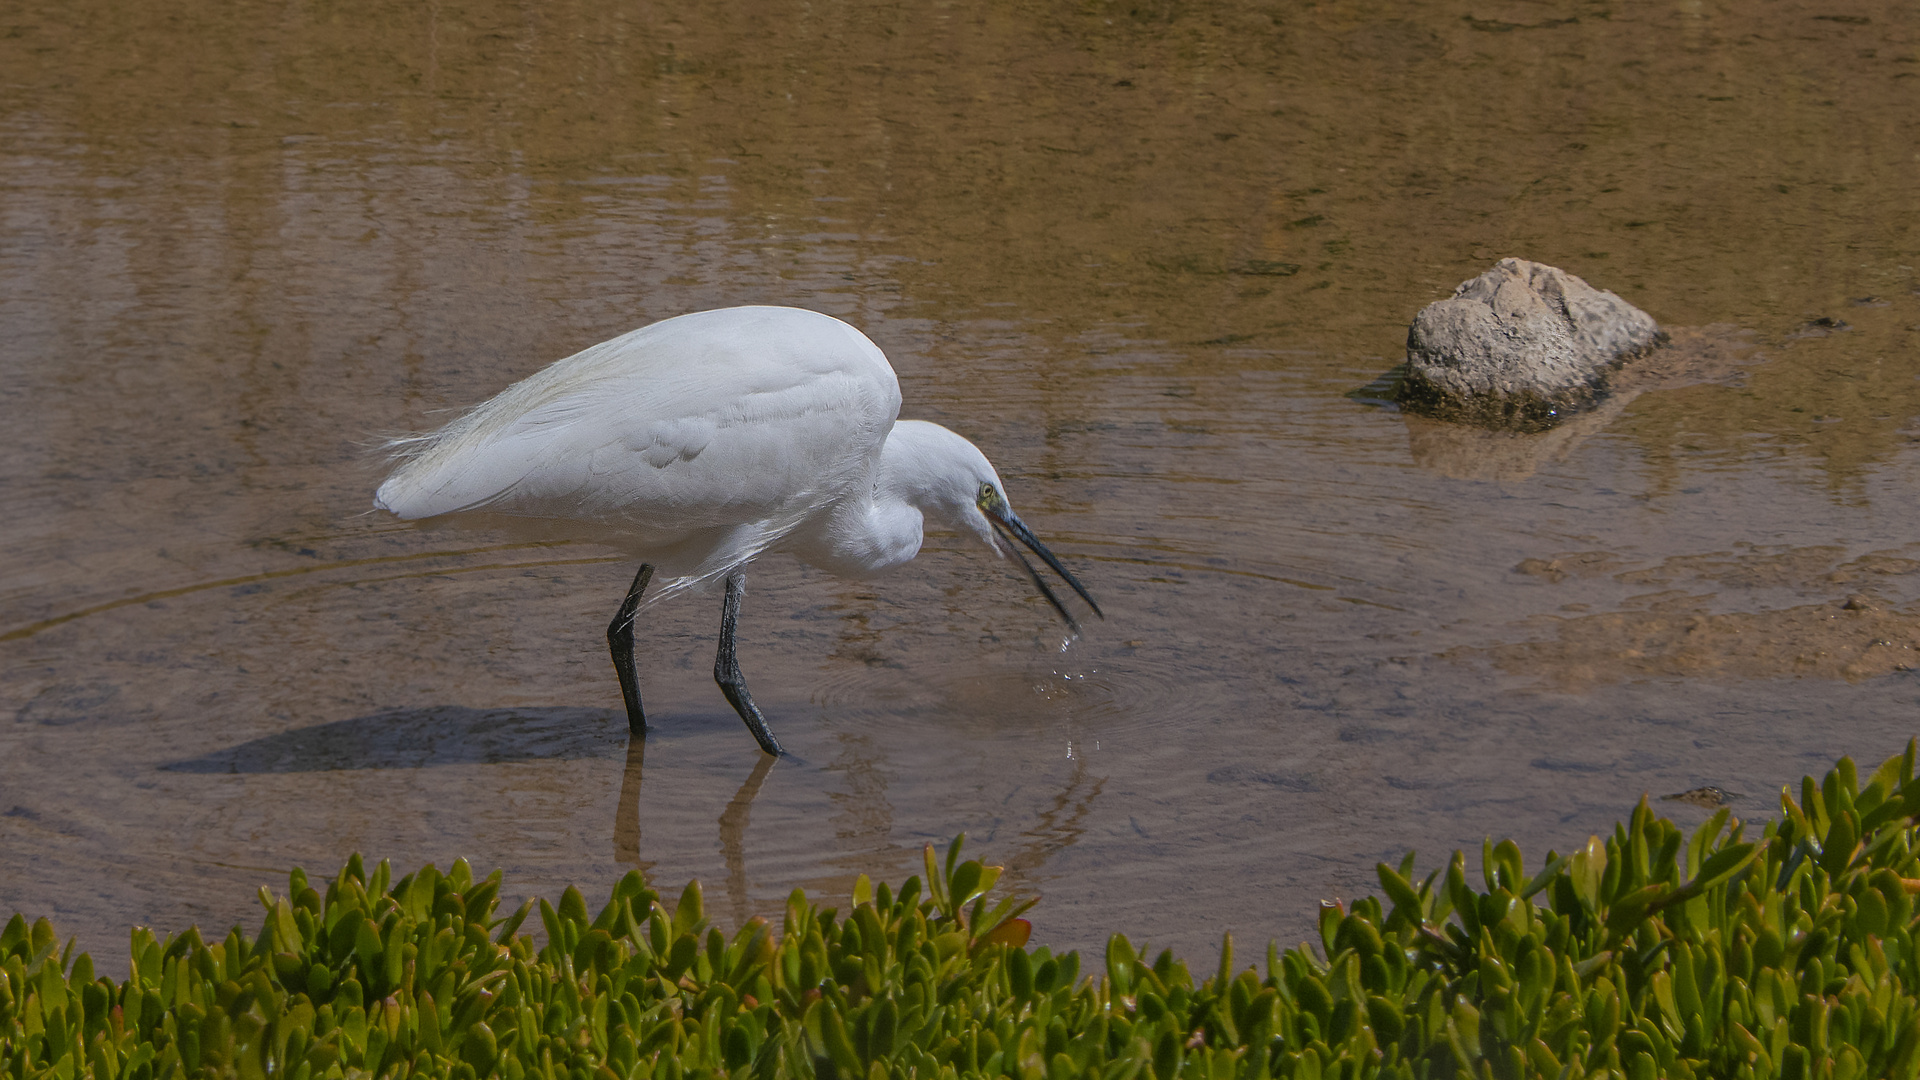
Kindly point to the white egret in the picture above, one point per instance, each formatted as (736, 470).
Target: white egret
(697, 444)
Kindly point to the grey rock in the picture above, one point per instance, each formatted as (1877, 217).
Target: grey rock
(1520, 348)
(1688, 356)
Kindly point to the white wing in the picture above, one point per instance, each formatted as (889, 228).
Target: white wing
(744, 417)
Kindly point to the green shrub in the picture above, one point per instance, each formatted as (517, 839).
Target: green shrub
(1649, 954)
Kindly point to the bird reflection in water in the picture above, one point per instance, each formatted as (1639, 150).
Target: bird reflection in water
(626, 815)
(733, 825)
(1056, 828)
(733, 836)
(1059, 826)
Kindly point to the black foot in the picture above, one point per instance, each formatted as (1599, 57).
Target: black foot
(726, 670)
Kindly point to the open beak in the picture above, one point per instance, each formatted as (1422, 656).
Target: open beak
(1005, 524)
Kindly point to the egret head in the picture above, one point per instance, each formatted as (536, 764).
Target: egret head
(950, 480)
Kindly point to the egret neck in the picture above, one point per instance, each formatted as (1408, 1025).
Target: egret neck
(924, 472)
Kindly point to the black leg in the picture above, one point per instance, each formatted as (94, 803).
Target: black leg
(726, 669)
(620, 643)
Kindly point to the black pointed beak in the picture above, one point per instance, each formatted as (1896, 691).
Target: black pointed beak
(1007, 525)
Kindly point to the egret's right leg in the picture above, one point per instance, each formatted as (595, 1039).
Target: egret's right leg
(726, 669)
(620, 643)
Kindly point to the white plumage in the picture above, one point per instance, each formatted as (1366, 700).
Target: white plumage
(698, 443)
(695, 443)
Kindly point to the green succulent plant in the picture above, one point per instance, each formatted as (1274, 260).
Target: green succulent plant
(1648, 953)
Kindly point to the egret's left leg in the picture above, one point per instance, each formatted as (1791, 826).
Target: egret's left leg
(726, 669)
(620, 645)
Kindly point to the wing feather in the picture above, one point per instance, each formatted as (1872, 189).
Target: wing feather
(707, 421)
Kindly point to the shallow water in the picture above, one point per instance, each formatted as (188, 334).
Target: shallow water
(1154, 258)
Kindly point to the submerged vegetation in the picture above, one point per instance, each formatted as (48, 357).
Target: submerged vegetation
(1788, 953)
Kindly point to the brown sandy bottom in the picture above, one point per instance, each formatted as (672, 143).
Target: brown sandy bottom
(1871, 629)
(1142, 254)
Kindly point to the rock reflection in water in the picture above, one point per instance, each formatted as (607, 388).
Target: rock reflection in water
(1693, 355)
(1465, 452)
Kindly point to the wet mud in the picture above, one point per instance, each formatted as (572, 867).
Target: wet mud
(1868, 627)
(1141, 253)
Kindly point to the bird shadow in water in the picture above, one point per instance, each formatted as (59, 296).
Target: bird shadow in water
(454, 735)
(421, 738)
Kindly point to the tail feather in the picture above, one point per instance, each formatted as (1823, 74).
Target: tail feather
(401, 450)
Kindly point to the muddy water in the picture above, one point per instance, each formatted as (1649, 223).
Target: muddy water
(1154, 257)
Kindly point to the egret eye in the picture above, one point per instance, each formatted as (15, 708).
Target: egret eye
(988, 495)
